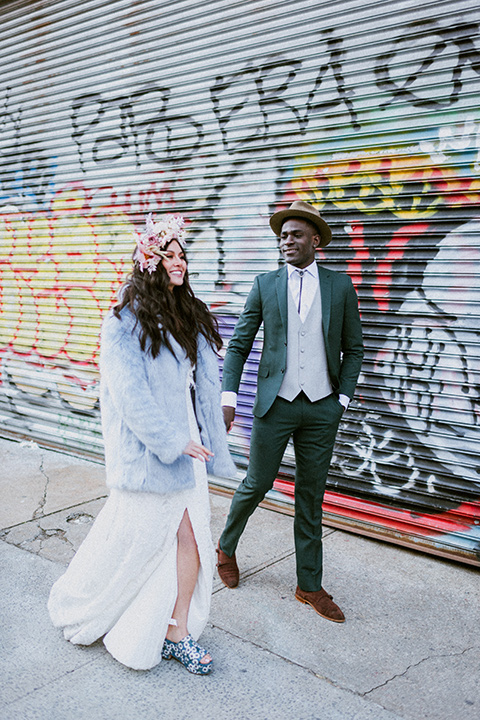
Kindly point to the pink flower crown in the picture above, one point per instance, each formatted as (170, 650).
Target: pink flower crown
(152, 242)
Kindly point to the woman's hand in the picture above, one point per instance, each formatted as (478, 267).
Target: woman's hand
(195, 450)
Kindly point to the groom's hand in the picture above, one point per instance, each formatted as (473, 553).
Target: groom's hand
(228, 416)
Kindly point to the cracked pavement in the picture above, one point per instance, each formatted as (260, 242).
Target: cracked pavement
(409, 648)
(40, 491)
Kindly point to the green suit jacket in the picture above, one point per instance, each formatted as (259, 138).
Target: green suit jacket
(267, 303)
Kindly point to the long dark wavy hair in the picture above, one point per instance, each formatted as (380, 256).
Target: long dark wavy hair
(163, 313)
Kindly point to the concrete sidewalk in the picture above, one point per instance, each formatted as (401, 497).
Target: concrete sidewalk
(409, 648)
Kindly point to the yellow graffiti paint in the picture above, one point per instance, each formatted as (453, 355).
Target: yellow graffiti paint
(59, 273)
(408, 186)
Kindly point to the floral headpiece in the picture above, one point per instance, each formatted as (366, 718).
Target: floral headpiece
(152, 242)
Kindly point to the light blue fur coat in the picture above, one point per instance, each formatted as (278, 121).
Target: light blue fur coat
(144, 411)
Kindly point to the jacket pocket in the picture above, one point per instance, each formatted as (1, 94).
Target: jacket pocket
(263, 372)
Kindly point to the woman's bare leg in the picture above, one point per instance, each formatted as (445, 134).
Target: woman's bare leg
(188, 565)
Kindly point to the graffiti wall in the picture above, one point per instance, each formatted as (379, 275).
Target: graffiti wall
(225, 113)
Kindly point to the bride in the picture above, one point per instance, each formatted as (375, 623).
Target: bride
(142, 579)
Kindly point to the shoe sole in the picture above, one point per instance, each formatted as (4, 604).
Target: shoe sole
(207, 671)
(231, 587)
(327, 617)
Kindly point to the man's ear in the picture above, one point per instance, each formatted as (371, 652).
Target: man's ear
(316, 241)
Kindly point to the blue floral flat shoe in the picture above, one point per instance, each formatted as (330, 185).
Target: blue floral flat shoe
(189, 653)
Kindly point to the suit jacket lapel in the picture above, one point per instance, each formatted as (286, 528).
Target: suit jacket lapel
(326, 295)
(281, 289)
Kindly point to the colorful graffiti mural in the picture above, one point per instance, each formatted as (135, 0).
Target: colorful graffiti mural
(419, 405)
(322, 122)
(425, 286)
(60, 270)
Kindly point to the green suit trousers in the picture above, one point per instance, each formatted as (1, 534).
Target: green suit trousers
(313, 427)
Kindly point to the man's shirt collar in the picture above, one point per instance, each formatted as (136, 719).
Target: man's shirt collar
(311, 269)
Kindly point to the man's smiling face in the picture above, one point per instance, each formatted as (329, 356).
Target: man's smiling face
(298, 242)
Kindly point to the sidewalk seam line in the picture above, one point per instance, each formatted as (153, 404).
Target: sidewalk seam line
(51, 681)
(414, 665)
(299, 665)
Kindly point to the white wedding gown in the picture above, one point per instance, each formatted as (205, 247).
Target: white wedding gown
(122, 583)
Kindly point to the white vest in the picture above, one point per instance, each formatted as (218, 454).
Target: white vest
(307, 368)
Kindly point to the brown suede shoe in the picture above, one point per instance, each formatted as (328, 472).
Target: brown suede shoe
(227, 569)
(322, 603)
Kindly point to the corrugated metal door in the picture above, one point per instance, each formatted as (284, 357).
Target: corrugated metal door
(225, 112)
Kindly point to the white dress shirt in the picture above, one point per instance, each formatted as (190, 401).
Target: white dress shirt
(309, 288)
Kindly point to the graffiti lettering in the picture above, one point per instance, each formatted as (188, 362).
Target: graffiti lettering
(259, 91)
(260, 102)
(334, 63)
(411, 44)
(142, 119)
(248, 93)
(153, 197)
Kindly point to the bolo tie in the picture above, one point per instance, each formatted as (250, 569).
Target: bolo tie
(301, 273)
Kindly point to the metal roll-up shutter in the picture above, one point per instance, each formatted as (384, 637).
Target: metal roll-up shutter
(224, 112)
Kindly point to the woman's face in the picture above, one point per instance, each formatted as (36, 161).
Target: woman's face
(175, 264)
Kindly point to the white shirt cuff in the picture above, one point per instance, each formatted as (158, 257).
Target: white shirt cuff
(229, 399)
(344, 399)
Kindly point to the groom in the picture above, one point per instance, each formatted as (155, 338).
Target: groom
(311, 359)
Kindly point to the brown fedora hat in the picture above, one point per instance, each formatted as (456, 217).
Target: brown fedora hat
(301, 209)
